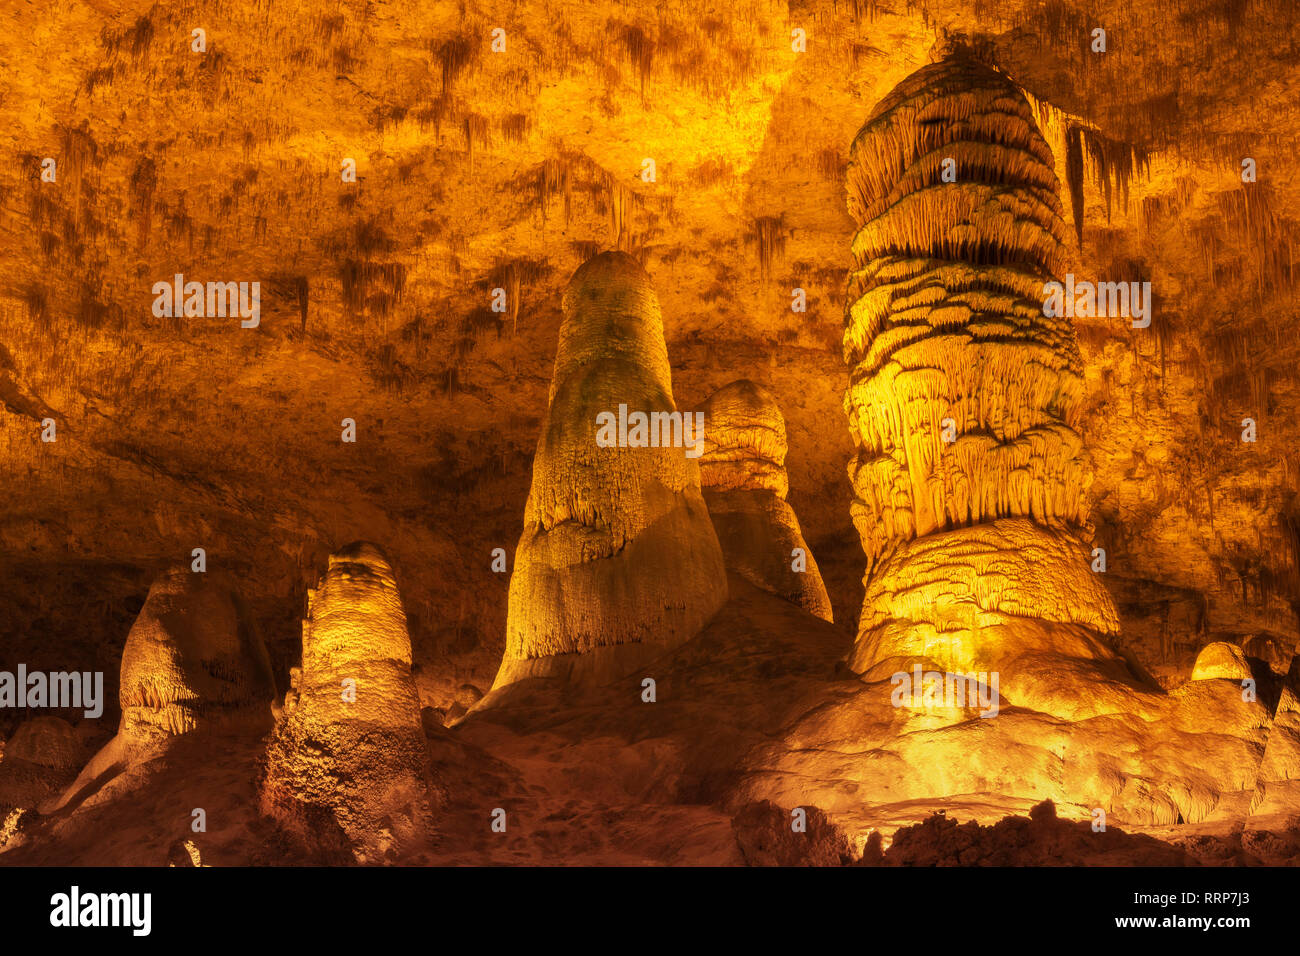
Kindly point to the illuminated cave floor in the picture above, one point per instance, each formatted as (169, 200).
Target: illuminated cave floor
(601, 777)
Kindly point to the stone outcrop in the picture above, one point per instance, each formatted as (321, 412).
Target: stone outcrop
(348, 769)
(970, 477)
(1221, 660)
(39, 760)
(47, 742)
(193, 662)
(618, 560)
(745, 487)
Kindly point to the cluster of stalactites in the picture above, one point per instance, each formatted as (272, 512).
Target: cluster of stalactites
(964, 397)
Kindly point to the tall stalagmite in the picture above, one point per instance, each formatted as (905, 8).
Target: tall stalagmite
(745, 484)
(970, 479)
(348, 768)
(618, 560)
(193, 662)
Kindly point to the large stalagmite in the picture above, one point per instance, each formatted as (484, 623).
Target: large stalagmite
(745, 485)
(348, 768)
(618, 560)
(193, 662)
(970, 479)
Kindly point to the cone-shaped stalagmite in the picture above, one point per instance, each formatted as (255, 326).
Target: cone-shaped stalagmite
(192, 662)
(348, 768)
(618, 560)
(745, 484)
(970, 478)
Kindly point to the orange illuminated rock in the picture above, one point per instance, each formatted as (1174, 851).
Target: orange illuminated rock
(970, 476)
(193, 662)
(745, 484)
(618, 560)
(347, 768)
(1220, 660)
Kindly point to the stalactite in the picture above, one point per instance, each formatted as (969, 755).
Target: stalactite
(455, 56)
(475, 128)
(769, 235)
(640, 50)
(1074, 176)
(1114, 164)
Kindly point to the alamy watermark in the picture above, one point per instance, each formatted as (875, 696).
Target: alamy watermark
(651, 430)
(922, 690)
(178, 298)
(1088, 300)
(76, 909)
(58, 689)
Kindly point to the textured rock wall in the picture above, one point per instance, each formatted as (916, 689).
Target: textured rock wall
(745, 487)
(618, 560)
(970, 479)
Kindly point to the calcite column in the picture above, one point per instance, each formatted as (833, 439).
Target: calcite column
(745, 485)
(348, 767)
(618, 560)
(970, 479)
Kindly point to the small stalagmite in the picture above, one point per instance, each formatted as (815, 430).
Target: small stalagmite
(745, 485)
(348, 768)
(970, 477)
(618, 560)
(193, 662)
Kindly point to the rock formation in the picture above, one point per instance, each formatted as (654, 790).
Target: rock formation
(745, 485)
(193, 662)
(39, 760)
(1220, 660)
(347, 768)
(970, 478)
(618, 560)
(47, 742)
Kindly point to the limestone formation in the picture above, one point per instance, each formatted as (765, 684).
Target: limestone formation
(618, 560)
(347, 768)
(47, 742)
(193, 662)
(970, 478)
(1221, 660)
(745, 485)
(38, 761)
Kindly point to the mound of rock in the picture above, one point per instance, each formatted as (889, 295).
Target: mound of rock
(989, 679)
(770, 836)
(745, 486)
(46, 742)
(1221, 660)
(40, 759)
